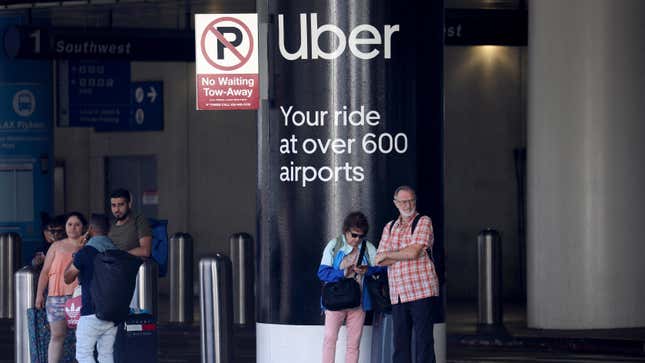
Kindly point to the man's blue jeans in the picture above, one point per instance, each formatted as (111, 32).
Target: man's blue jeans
(90, 331)
(413, 317)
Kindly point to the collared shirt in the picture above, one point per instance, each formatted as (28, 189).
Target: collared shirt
(414, 279)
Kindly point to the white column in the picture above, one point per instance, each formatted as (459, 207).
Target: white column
(586, 164)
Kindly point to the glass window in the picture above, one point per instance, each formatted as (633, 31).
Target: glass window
(16, 193)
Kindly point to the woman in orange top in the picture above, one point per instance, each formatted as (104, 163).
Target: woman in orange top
(51, 278)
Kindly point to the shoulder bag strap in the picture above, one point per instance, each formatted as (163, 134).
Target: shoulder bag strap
(361, 253)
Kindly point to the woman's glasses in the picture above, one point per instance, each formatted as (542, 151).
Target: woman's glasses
(356, 235)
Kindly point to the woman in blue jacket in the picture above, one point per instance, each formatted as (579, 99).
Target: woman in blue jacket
(339, 260)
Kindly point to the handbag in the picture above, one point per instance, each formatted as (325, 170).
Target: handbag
(73, 308)
(379, 289)
(343, 294)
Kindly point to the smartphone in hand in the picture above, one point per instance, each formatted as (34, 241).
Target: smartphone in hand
(360, 269)
(86, 237)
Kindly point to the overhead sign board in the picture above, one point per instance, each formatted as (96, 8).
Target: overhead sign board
(99, 94)
(226, 61)
(33, 42)
(93, 93)
(486, 27)
(145, 111)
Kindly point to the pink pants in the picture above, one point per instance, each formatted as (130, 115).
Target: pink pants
(354, 323)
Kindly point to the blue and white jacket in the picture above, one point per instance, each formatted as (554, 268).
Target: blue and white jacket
(329, 270)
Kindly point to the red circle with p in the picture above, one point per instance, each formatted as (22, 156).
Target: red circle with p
(223, 44)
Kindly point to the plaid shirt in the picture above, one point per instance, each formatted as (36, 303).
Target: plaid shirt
(414, 279)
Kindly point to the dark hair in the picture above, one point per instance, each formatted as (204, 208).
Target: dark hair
(121, 193)
(356, 220)
(44, 219)
(47, 221)
(99, 222)
(58, 221)
(77, 215)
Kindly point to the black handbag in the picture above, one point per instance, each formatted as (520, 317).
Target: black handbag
(379, 290)
(343, 294)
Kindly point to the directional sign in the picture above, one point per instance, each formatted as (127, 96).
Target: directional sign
(226, 59)
(146, 109)
(147, 106)
(99, 94)
(93, 93)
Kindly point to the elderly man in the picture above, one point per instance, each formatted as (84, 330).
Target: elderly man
(412, 278)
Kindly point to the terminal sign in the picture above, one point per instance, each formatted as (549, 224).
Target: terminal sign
(226, 59)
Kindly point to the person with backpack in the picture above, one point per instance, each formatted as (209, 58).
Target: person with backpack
(347, 256)
(93, 329)
(412, 278)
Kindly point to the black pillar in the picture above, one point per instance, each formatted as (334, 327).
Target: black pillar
(351, 108)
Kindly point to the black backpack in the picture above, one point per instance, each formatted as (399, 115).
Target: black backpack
(113, 282)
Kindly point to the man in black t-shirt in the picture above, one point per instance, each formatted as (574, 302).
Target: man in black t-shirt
(91, 330)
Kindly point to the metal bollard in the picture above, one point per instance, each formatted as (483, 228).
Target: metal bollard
(216, 308)
(180, 267)
(489, 258)
(146, 290)
(26, 281)
(243, 278)
(9, 260)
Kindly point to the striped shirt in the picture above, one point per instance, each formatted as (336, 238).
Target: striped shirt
(415, 279)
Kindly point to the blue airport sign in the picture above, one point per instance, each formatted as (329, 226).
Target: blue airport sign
(24, 120)
(147, 105)
(146, 109)
(26, 147)
(93, 93)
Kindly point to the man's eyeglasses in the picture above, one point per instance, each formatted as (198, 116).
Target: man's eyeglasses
(404, 202)
(55, 231)
(356, 235)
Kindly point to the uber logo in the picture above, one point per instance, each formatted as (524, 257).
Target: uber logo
(361, 35)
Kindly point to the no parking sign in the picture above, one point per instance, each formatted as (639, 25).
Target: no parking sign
(226, 60)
